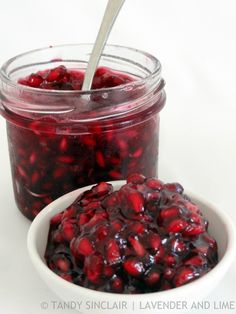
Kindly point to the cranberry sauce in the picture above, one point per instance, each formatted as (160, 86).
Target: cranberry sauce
(147, 236)
(50, 158)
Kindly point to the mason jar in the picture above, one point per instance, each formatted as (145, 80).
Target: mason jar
(60, 140)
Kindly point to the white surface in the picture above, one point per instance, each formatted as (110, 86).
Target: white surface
(195, 41)
(221, 228)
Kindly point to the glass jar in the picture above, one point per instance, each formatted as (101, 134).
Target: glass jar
(62, 140)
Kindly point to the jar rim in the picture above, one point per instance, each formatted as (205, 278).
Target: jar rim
(5, 77)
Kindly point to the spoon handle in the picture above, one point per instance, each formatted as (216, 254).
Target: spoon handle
(112, 10)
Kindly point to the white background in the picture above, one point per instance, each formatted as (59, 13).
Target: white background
(196, 43)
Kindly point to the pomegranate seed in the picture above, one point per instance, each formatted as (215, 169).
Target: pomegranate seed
(100, 159)
(155, 241)
(56, 219)
(174, 187)
(137, 153)
(135, 178)
(117, 284)
(192, 207)
(57, 237)
(56, 73)
(115, 174)
(102, 232)
(113, 252)
(113, 81)
(194, 230)
(195, 218)
(66, 159)
(110, 201)
(102, 188)
(122, 144)
(94, 205)
(166, 286)
(83, 246)
(210, 241)
(137, 228)
(169, 273)
(22, 172)
(177, 225)
(63, 146)
(88, 140)
(63, 264)
(97, 218)
(35, 177)
(168, 213)
(136, 201)
(24, 81)
(83, 219)
(133, 267)
(115, 160)
(169, 260)
(158, 257)
(58, 173)
(178, 246)
(47, 200)
(198, 261)
(35, 80)
(137, 246)
(68, 231)
(108, 271)
(154, 184)
(101, 71)
(153, 196)
(183, 276)
(93, 267)
(116, 225)
(32, 158)
(69, 213)
(66, 277)
(152, 277)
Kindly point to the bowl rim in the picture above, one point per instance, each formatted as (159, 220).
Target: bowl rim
(221, 267)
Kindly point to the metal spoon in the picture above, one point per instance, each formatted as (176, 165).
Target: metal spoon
(110, 15)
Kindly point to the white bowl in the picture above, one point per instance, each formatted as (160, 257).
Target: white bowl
(90, 301)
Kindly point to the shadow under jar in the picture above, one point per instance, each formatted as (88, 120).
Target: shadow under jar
(60, 140)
